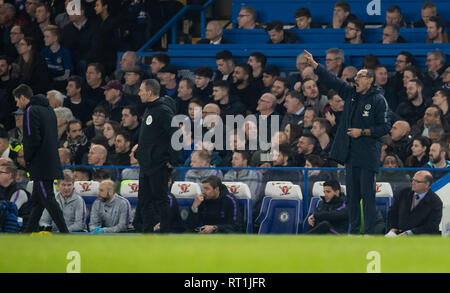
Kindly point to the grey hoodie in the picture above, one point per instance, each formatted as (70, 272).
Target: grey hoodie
(113, 217)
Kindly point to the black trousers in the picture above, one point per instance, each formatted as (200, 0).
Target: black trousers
(323, 227)
(153, 202)
(360, 184)
(42, 198)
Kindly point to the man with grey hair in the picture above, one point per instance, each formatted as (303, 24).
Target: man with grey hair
(334, 60)
(214, 34)
(55, 98)
(416, 210)
(436, 67)
(247, 18)
(391, 35)
(155, 155)
(266, 110)
(129, 59)
(357, 141)
(71, 203)
(63, 116)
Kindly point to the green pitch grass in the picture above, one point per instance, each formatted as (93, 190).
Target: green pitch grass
(223, 254)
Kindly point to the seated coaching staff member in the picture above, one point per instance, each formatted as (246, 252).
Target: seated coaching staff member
(215, 210)
(416, 210)
(40, 146)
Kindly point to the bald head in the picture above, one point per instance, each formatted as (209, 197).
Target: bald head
(211, 109)
(399, 130)
(97, 155)
(106, 190)
(266, 104)
(422, 181)
(214, 31)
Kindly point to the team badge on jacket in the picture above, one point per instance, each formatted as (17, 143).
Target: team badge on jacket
(149, 120)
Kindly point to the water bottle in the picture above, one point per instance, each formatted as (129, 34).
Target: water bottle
(20, 222)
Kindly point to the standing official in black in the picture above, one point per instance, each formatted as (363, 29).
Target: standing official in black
(357, 143)
(40, 145)
(154, 153)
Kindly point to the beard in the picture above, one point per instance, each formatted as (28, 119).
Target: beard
(435, 160)
(413, 97)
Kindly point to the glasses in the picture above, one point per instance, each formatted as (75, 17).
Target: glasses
(243, 15)
(431, 59)
(417, 181)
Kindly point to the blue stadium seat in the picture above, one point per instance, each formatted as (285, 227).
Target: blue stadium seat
(284, 209)
(129, 189)
(312, 207)
(242, 193)
(185, 193)
(384, 198)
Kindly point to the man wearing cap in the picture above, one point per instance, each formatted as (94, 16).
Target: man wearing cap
(17, 132)
(133, 78)
(115, 100)
(168, 79)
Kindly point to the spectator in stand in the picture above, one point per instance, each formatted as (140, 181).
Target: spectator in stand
(105, 42)
(313, 98)
(334, 110)
(80, 106)
(131, 173)
(250, 177)
(446, 78)
(349, 74)
(121, 157)
(115, 100)
(228, 104)
(278, 35)
(214, 33)
(131, 122)
(95, 81)
(185, 95)
(133, 78)
(295, 79)
(334, 61)
(158, 62)
(10, 190)
(225, 66)
(203, 84)
(99, 116)
(442, 99)
(303, 19)
(295, 109)
(391, 35)
(381, 80)
(401, 139)
(195, 107)
(110, 213)
(64, 156)
(258, 62)
(308, 73)
(32, 67)
(76, 141)
(72, 206)
(7, 21)
(321, 129)
(168, 80)
(247, 18)
(244, 88)
(129, 60)
(420, 148)
(201, 159)
(110, 130)
(435, 63)
(414, 108)
(308, 118)
(404, 59)
(435, 133)
(354, 31)
(55, 98)
(17, 132)
(436, 31)
(341, 14)
(428, 10)
(394, 16)
(63, 116)
(57, 57)
(279, 89)
(78, 38)
(392, 161)
(269, 74)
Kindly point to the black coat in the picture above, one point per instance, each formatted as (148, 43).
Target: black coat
(423, 219)
(335, 212)
(368, 111)
(40, 140)
(155, 149)
(79, 42)
(223, 212)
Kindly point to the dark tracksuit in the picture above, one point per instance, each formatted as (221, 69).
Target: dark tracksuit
(360, 155)
(40, 145)
(153, 154)
(331, 217)
(223, 212)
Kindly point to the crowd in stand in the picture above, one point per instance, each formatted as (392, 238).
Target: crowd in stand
(71, 59)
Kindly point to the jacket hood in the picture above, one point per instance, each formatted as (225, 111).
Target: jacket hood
(39, 100)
